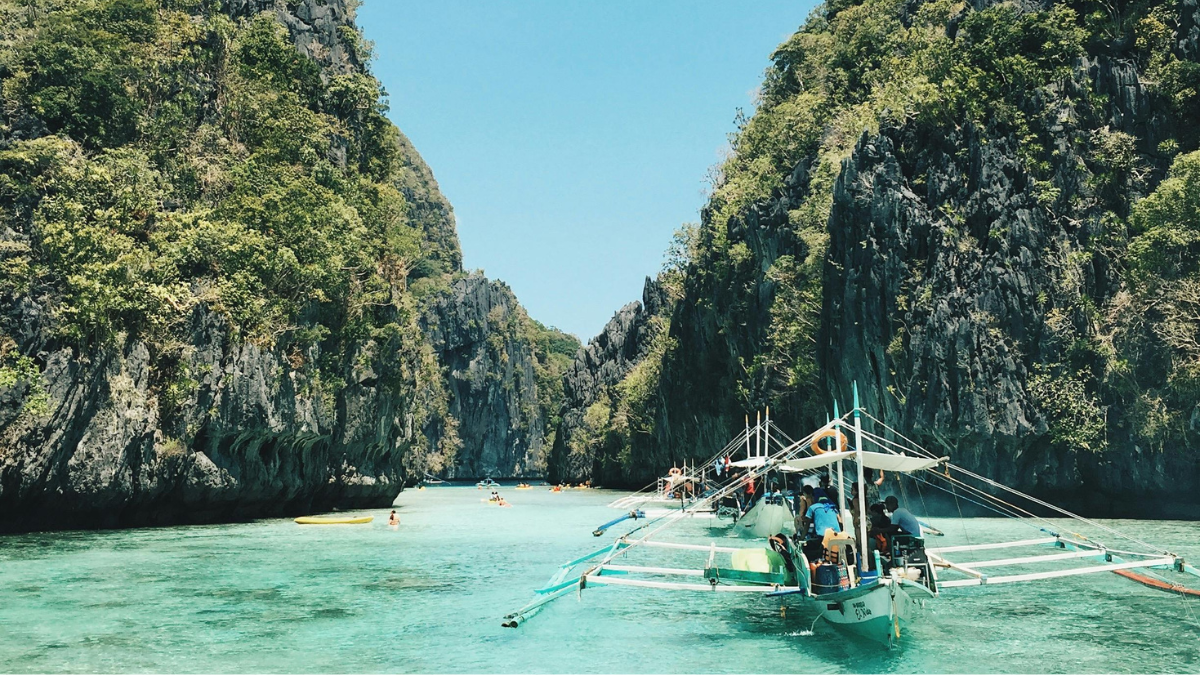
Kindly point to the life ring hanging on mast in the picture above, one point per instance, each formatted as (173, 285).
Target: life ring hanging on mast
(828, 433)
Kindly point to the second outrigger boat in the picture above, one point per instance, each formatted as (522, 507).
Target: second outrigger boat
(874, 595)
(694, 485)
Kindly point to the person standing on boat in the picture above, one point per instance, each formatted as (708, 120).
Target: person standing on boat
(823, 515)
(826, 490)
(749, 491)
(902, 517)
(803, 502)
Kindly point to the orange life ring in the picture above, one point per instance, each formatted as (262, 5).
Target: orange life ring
(674, 471)
(828, 433)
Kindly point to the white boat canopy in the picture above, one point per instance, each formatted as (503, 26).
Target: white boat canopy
(870, 460)
(753, 462)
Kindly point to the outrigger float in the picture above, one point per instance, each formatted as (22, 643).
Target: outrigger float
(873, 596)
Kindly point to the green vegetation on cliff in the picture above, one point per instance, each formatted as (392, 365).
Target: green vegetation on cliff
(188, 162)
(156, 158)
(210, 193)
(1156, 363)
(553, 351)
(947, 202)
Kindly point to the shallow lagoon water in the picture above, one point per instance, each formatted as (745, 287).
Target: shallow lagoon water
(272, 596)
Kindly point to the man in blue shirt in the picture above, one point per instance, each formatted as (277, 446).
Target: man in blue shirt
(823, 515)
(902, 518)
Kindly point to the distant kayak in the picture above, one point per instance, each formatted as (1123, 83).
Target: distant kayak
(313, 520)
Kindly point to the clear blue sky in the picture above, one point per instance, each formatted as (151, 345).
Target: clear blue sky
(572, 137)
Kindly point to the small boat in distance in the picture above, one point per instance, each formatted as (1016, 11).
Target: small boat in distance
(692, 487)
(487, 483)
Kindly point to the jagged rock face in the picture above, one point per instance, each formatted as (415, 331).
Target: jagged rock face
(606, 360)
(942, 328)
(428, 208)
(942, 323)
(719, 330)
(223, 427)
(256, 434)
(971, 274)
(313, 26)
(475, 329)
(968, 306)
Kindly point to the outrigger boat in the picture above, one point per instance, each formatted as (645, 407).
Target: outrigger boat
(487, 483)
(691, 488)
(874, 595)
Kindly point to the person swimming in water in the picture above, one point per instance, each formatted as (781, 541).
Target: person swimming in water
(393, 519)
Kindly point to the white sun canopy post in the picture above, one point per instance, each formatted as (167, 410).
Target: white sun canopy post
(870, 460)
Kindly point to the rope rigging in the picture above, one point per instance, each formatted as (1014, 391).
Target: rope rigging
(916, 447)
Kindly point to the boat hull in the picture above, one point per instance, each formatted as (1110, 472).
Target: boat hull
(764, 520)
(878, 612)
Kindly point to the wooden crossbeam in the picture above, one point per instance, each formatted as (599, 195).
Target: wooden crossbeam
(983, 547)
(654, 570)
(959, 583)
(670, 586)
(1030, 559)
(689, 547)
(940, 561)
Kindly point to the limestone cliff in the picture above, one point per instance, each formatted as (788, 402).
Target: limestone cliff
(257, 432)
(625, 341)
(476, 329)
(940, 202)
(215, 253)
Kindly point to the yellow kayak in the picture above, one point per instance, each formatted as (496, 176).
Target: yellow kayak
(312, 520)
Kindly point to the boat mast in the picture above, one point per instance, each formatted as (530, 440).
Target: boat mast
(758, 434)
(747, 435)
(767, 431)
(841, 488)
(862, 486)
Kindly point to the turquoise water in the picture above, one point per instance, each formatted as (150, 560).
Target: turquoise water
(272, 596)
